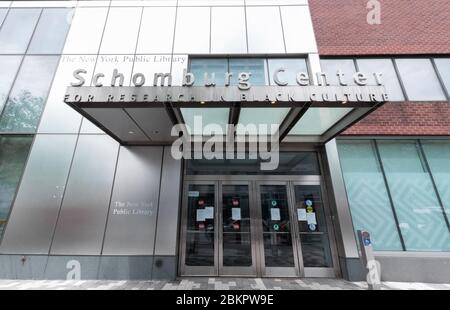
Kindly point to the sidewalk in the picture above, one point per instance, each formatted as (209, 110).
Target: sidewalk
(212, 284)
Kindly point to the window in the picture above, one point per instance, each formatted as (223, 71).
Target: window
(28, 95)
(443, 66)
(17, 29)
(420, 79)
(438, 156)
(213, 67)
(367, 194)
(332, 66)
(389, 76)
(13, 154)
(9, 66)
(417, 178)
(50, 32)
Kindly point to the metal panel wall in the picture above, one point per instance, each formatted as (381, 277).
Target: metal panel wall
(134, 205)
(35, 211)
(83, 214)
(167, 229)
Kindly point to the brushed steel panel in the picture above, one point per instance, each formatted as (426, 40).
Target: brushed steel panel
(82, 219)
(169, 204)
(154, 122)
(119, 123)
(35, 211)
(133, 211)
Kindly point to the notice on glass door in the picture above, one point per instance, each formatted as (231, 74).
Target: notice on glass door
(311, 218)
(301, 215)
(275, 214)
(209, 212)
(200, 215)
(236, 214)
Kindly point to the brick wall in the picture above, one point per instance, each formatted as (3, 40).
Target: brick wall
(407, 27)
(406, 118)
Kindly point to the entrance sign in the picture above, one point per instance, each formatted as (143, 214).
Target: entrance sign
(145, 113)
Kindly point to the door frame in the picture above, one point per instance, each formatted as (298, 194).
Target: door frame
(276, 271)
(235, 270)
(186, 270)
(255, 211)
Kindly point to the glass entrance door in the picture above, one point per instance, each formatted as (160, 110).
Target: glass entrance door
(236, 235)
(218, 229)
(315, 253)
(256, 228)
(278, 251)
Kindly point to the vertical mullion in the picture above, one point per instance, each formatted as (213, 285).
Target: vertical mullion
(383, 172)
(427, 166)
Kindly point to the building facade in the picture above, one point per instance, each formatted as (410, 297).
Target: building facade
(95, 191)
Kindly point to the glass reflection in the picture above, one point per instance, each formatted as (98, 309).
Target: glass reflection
(419, 213)
(9, 66)
(17, 29)
(13, 154)
(51, 31)
(278, 250)
(237, 249)
(312, 226)
(26, 101)
(420, 79)
(200, 225)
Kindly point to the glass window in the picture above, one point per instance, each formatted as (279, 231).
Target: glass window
(206, 121)
(290, 163)
(228, 30)
(13, 154)
(316, 121)
(443, 66)
(192, 30)
(17, 29)
(86, 31)
(50, 32)
(389, 77)
(256, 66)
(292, 66)
(162, 19)
(120, 37)
(437, 153)
(9, 66)
(265, 34)
(211, 66)
(420, 79)
(332, 66)
(263, 120)
(28, 95)
(367, 194)
(420, 216)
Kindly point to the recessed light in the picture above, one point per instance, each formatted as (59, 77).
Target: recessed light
(131, 132)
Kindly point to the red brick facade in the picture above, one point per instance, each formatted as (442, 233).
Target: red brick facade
(406, 119)
(408, 27)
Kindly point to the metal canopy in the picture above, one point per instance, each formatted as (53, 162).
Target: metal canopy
(149, 122)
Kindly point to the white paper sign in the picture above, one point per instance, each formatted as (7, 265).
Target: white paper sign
(311, 218)
(236, 214)
(209, 212)
(275, 214)
(193, 194)
(200, 215)
(301, 214)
